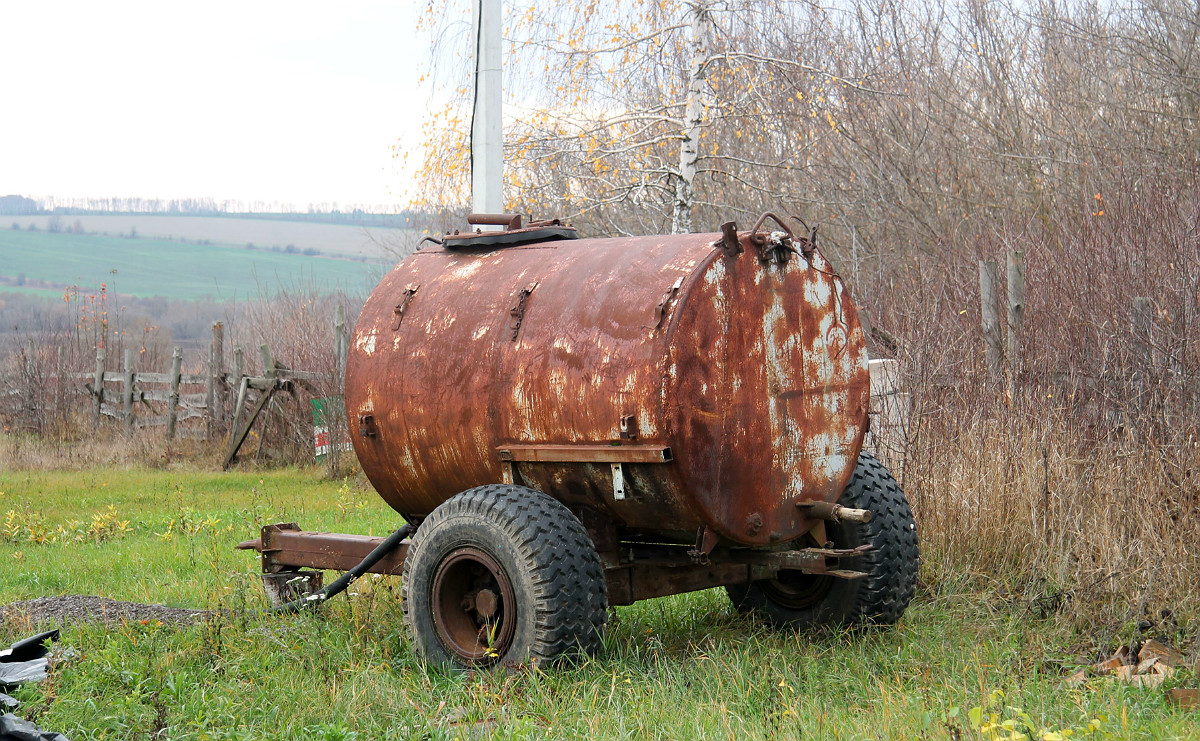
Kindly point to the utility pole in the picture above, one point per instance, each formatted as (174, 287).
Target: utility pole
(487, 126)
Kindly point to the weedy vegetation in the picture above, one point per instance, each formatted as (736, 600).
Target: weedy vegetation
(971, 659)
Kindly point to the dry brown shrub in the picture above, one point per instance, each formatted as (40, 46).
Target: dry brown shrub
(1077, 485)
(298, 326)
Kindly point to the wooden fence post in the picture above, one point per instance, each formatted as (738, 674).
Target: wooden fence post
(989, 304)
(60, 390)
(98, 389)
(1016, 315)
(210, 396)
(890, 409)
(173, 399)
(268, 363)
(127, 393)
(217, 401)
(342, 340)
(240, 400)
(269, 371)
(239, 366)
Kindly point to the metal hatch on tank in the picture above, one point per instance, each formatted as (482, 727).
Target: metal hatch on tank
(513, 233)
(694, 405)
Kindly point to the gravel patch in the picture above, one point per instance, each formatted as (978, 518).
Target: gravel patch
(78, 608)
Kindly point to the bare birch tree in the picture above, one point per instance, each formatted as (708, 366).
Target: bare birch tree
(643, 117)
(901, 127)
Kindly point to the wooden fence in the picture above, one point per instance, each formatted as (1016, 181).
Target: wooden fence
(206, 405)
(190, 396)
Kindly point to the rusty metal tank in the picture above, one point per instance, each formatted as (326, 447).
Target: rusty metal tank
(663, 386)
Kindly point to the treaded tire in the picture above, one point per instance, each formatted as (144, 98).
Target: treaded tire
(798, 600)
(515, 539)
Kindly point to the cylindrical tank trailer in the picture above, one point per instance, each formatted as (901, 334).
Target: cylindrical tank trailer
(573, 423)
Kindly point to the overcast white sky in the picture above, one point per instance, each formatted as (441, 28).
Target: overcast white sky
(294, 101)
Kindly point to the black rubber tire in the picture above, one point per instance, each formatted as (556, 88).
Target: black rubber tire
(798, 600)
(557, 583)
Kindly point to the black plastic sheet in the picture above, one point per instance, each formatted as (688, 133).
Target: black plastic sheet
(26, 660)
(13, 728)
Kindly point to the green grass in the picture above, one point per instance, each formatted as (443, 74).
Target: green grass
(160, 267)
(684, 667)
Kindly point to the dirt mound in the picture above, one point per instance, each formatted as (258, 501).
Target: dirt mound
(75, 608)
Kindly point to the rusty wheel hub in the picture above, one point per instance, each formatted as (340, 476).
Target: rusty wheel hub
(474, 610)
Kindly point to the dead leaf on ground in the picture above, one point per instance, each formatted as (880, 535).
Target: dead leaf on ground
(1119, 659)
(1182, 697)
(1155, 663)
(1147, 680)
(1153, 649)
(1145, 667)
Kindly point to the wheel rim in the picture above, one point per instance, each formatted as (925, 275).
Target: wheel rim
(797, 590)
(474, 611)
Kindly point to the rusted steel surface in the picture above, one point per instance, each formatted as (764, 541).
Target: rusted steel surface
(748, 363)
(629, 584)
(286, 548)
(474, 606)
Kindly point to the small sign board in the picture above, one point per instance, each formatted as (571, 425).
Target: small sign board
(325, 410)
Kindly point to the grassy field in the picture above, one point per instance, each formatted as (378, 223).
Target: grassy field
(685, 667)
(160, 267)
(341, 240)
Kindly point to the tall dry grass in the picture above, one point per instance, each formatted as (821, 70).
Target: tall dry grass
(144, 448)
(1027, 499)
(1074, 480)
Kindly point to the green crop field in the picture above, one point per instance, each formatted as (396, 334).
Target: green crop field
(265, 231)
(685, 667)
(160, 267)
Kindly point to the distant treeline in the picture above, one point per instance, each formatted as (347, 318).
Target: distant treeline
(18, 206)
(322, 213)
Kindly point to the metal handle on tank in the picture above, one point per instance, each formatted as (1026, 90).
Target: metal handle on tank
(761, 239)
